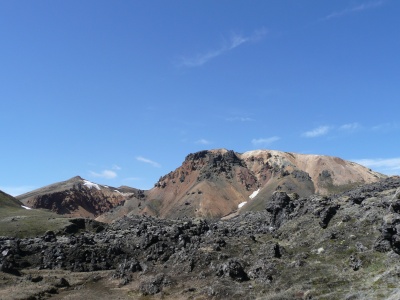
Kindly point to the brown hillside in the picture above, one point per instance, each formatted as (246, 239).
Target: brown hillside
(213, 183)
(78, 197)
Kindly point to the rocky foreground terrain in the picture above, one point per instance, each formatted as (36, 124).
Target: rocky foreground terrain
(343, 246)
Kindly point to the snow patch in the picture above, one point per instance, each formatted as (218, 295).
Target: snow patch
(254, 194)
(124, 194)
(320, 250)
(91, 184)
(241, 204)
(26, 207)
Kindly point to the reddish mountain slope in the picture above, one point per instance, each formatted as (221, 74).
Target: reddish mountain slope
(214, 183)
(78, 197)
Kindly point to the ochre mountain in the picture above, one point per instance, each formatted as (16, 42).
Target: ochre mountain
(303, 174)
(78, 197)
(215, 183)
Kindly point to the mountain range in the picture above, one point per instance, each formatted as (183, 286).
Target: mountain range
(210, 184)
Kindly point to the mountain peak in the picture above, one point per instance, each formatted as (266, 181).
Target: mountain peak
(77, 197)
(215, 182)
(76, 179)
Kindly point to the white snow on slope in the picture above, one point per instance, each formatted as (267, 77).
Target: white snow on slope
(91, 184)
(124, 194)
(254, 194)
(26, 207)
(241, 204)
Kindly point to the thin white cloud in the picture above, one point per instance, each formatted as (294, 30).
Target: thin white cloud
(354, 9)
(385, 127)
(116, 167)
(107, 174)
(203, 142)
(240, 119)
(235, 41)
(17, 190)
(148, 161)
(319, 131)
(389, 166)
(265, 141)
(350, 127)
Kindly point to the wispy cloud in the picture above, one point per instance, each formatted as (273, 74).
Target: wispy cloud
(319, 131)
(116, 167)
(203, 142)
(17, 190)
(389, 166)
(265, 141)
(235, 41)
(354, 9)
(386, 127)
(148, 161)
(350, 127)
(239, 119)
(107, 174)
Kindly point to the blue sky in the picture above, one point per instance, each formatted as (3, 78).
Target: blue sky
(119, 92)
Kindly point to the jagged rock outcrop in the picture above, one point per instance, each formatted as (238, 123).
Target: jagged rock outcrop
(280, 207)
(390, 229)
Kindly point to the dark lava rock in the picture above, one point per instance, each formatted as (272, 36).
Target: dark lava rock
(262, 270)
(382, 245)
(49, 236)
(355, 263)
(280, 208)
(36, 278)
(327, 214)
(233, 269)
(125, 269)
(390, 234)
(9, 266)
(271, 250)
(62, 282)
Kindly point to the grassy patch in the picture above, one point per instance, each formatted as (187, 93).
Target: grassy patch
(20, 222)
